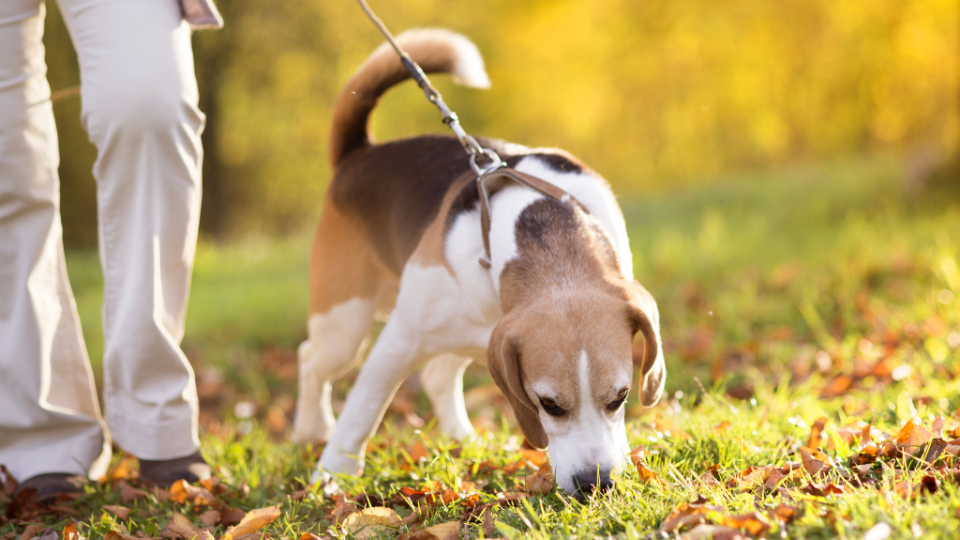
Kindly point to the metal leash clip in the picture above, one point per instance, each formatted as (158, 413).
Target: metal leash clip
(478, 154)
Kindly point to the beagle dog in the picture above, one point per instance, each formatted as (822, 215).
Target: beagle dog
(554, 311)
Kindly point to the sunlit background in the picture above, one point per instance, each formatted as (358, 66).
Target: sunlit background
(652, 94)
(785, 168)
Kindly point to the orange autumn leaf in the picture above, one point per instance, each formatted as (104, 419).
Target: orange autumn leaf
(688, 514)
(815, 440)
(214, 485)
(913, 433)
(70, 531)
(785, 513)
(646, 475)
(752, 522)
(814, 461)
(123, 470)
(418, 452)
(181, 491)
(537, 457)
(252, 522)
(540, 482)
(837, 387)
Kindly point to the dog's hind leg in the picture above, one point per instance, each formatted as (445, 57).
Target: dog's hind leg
(335, 344)
(442, 379)
(344, 286)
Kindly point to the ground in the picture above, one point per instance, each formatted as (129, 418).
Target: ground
(812, 307)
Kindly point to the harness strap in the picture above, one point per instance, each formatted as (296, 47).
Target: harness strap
(492, 180)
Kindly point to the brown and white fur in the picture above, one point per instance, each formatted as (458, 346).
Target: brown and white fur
(554, 317)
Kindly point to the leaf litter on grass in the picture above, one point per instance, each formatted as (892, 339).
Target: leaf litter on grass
(910, 460)
(750, 454)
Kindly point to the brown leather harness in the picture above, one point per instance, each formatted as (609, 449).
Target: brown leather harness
(493, 179)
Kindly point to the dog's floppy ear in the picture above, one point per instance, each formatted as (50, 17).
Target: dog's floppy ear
(646, 321)
(504, 363)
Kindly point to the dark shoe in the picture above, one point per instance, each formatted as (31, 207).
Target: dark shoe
(51, 485)
(165, 472)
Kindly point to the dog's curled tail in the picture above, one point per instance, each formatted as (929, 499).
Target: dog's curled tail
(436, 50)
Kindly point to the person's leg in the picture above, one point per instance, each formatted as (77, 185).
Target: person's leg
(139, 97)
(49, 417)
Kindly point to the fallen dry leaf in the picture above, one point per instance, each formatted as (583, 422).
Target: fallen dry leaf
(209, 518)
(179, 524)
(119, 511)
(710, 477)
(931, 451)
(252, 522)
(129, 493)
(70, 531)
(913, 433)
(368, 522)
(814, 461)
(443, 531)
(311, 536)
(753, 522)
(688, 514)
(537, 457)
(123, 471)
(214, 485)
(418, 452)
(181, 491)
(231, 516)
(928, 485)
(785, 513)
(343, 507)
(837, 387)
(646, 475)
(540, 482)
(816, 430)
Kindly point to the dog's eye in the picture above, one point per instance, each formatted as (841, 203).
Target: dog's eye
(621, 397)
(551, 407)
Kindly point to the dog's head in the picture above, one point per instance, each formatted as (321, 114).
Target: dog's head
(565, 364)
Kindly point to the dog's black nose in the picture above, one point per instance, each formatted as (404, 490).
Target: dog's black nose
(589, 481)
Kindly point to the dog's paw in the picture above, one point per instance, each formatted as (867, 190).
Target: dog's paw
(328, 484)
(340, 462)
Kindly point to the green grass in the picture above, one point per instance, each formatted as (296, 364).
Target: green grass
(774, 288)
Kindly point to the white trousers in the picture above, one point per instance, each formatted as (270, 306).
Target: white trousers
(139, 99)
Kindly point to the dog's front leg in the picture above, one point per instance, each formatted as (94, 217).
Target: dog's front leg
(442, 380)
(393, 358)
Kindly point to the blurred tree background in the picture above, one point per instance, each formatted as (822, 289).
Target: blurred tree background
(652, 94)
